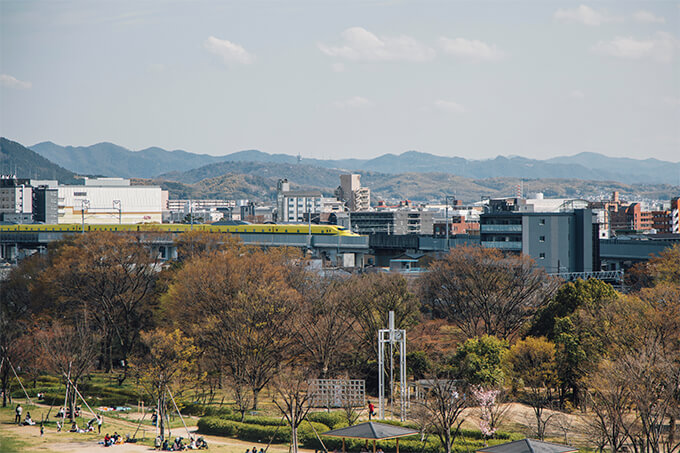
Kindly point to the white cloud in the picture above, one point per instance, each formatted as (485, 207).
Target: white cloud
(338, 67)
(448, 106)
(661, 47)
(360, 44)
(647, 17)
(12, 82)
(470, 49)
(585, 15)
(229, 51)
(355, 102)
(576, 94)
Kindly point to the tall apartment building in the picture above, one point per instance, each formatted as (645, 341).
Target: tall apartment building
(558, 241)
(295, 206)
(16, 199)
(350, 191)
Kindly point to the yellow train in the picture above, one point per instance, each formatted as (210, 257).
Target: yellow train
(327, 230)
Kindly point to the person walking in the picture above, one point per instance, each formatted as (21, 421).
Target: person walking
(18, 411)
(371, 410)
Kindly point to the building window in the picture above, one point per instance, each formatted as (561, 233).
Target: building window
(541, 256)
(541, 239)
(541, 221)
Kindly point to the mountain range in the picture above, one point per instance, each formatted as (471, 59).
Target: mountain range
(109, 159)
(256, 179)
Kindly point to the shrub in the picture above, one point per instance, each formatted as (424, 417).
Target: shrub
(333, 420)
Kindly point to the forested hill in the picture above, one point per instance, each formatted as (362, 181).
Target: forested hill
(109, 159)
(25, 163)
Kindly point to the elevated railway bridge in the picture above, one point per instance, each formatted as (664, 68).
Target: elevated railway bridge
(332, 243)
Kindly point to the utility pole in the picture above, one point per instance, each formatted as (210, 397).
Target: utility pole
(448, 197)
(120, 210)
(84, 204)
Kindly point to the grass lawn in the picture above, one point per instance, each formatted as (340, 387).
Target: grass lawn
(14, 438)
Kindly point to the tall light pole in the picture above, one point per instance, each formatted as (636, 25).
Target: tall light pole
(448, 197)
(83, 205)
(117, 205)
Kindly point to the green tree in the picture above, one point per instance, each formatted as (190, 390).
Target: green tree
(168, 364)
(567, 300)
(479, 361)
(532, 363)
(572, 358)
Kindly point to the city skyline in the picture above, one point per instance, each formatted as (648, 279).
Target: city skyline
(340, 80)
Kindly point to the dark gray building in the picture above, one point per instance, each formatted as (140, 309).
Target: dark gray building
(392, 222)
(557, 241)
(45, 205)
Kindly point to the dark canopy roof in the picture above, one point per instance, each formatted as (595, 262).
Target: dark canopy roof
(371, 430)
(528, 446)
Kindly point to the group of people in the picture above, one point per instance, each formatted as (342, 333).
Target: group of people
(66, 412)
(116, 439)
(28, 421)
(254, 450)
(178, 445)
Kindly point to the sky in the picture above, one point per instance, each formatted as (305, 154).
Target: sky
(339, 79)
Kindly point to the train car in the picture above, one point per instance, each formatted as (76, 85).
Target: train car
(302, 229)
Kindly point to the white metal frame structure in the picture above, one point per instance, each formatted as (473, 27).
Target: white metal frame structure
(390, 336)
(338, 392)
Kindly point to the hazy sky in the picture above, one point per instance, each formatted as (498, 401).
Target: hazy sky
(339, 79)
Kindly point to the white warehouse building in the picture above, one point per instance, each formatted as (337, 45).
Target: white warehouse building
(110, 201)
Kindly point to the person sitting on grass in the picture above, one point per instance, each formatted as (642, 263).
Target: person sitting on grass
(178, 445)
(107, 440)
(74, 428)
(28, 421)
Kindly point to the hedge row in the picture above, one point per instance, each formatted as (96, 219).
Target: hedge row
(307, 438)
(260, 433)
(202, 409)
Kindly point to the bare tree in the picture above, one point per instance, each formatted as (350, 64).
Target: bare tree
(293, 399)
(239, 307)
(445, 402)
(323, 327)
(349, 404)
(112, 276)
(242, 394)
(368, 300)
(69, 350)
(483, 292)
(610, 400)
(653, 381)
